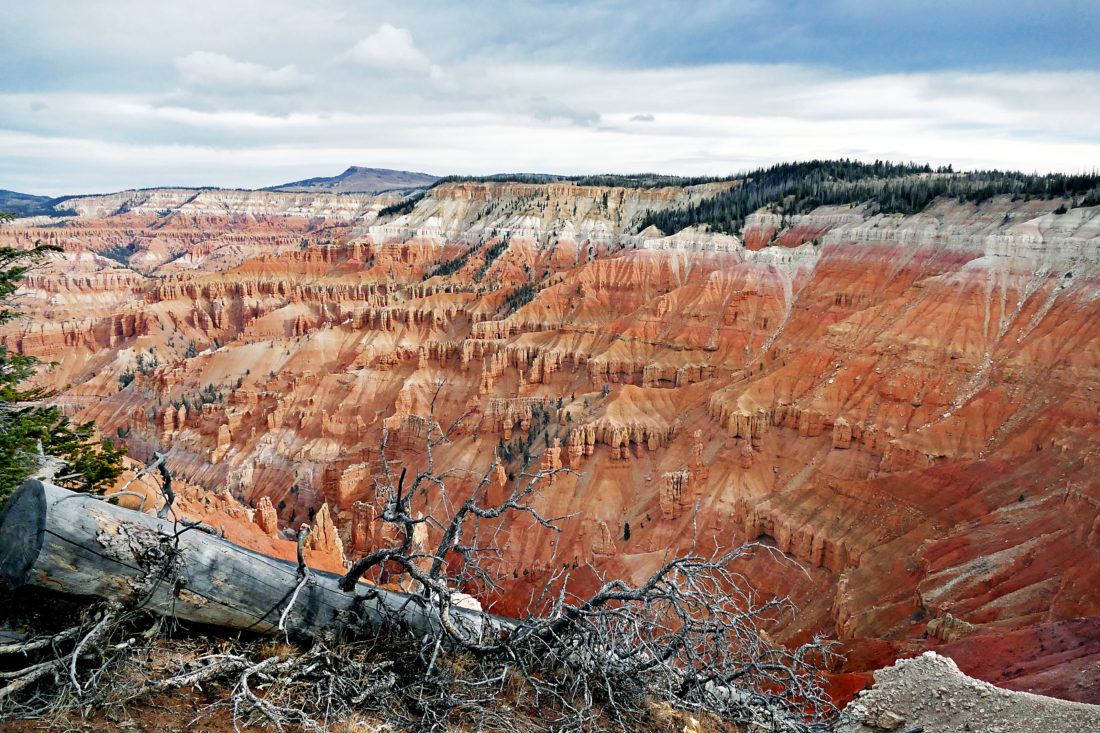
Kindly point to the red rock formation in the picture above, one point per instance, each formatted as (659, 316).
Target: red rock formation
(677, 484)
(906, 406)
(266, 518)
(363, 528)
(323, 537)
(842, 433)
(602, 543)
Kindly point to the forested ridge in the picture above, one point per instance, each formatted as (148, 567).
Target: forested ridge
(797, 188)
(890, 188)
(621, 180)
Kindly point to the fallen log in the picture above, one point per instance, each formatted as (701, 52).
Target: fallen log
(75, 543)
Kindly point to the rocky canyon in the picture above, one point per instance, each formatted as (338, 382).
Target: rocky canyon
(901, 408)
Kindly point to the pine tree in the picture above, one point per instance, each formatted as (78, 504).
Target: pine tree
(29, 429)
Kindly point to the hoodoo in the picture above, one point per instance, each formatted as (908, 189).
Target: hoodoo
(888, 376)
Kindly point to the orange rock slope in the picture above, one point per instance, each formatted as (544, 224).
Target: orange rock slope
(904, 407)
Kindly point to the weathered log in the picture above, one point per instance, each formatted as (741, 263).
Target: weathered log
(55, 538)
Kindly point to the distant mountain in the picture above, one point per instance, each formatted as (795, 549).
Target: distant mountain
(24, 204)
(357, 179)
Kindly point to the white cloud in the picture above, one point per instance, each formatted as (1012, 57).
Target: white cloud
(705, 120)
(391, 48)
(215, 71)
(486, 87)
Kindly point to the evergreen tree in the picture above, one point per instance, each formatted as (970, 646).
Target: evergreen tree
(29, 429)
(888, 188)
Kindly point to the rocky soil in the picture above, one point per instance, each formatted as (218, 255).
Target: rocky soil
(930, 694)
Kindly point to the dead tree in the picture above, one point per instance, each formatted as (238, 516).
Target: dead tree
(76, 543)
(690, 635)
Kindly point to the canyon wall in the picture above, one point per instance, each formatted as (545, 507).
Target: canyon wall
(904, 407)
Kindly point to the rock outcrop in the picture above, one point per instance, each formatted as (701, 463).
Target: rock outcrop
(930, 693)
(904, 405)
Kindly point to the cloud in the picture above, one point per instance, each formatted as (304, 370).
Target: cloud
(584, 118)
(391, 48)
(546, 110)
(108, 98)
(215, 71)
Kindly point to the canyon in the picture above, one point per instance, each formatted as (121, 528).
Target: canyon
(902, 410)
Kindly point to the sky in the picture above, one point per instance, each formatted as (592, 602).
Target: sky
(104, 96)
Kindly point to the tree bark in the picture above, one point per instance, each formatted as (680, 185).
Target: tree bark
(55, 538)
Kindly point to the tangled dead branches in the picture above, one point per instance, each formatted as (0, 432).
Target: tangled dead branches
(691, 636)
(63, 660)
(113, 658)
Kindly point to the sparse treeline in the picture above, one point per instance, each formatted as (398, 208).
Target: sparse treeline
(501, 178)
(518, 298)
(908, 188)
(449, 267)
(401, 207)
(629, 180)
(648, 180)
(492, 252)
(520, 447)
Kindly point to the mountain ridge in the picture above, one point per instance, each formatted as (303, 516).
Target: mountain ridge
(25, 204)
(359, 179)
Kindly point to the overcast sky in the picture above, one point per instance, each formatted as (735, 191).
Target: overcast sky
(102, 96)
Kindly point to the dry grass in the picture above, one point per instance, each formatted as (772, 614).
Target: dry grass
(122, 680)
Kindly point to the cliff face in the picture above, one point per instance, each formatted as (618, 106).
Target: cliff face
(164, 202)
(905, 407)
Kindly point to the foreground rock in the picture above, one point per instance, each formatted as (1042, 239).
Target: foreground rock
(930, 694)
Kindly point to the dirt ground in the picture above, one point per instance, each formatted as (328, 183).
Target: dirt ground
(930, 694)
(169, 713)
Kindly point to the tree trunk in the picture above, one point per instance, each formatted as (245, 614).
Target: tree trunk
(55, 538)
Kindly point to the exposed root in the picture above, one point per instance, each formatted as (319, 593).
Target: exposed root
(96, 631)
